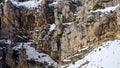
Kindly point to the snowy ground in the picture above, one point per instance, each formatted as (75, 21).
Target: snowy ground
(106, 55)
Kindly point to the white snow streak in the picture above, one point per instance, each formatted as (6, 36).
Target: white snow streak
(107, 9)
(53, 4)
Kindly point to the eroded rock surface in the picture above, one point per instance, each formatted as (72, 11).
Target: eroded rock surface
(57, 27)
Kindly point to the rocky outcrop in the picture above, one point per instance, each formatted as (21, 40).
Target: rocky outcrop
(60, 28)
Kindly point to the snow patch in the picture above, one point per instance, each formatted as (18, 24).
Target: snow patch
(66, 60)
(107, 9)
(52, 27)
(19, 46)
(35, 55)
(27, 4)
(6, 41)
(53, 4)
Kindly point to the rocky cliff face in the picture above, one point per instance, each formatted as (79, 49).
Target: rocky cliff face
(57, 27)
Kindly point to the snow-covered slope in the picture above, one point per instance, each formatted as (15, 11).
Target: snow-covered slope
(106, 55)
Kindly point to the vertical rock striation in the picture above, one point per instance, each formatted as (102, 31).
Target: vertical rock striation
(57, 27)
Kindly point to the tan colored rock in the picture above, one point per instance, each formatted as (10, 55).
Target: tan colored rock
(76, 27)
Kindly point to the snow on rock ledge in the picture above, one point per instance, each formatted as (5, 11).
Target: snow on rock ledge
(53, 4)
(107, 9)
(105, 56)
(6, 41)
(27, 4)
(35, 55)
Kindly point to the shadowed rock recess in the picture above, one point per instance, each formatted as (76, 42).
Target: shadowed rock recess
(57, 28)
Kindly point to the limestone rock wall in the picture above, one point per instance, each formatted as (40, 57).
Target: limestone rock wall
(77, 25)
